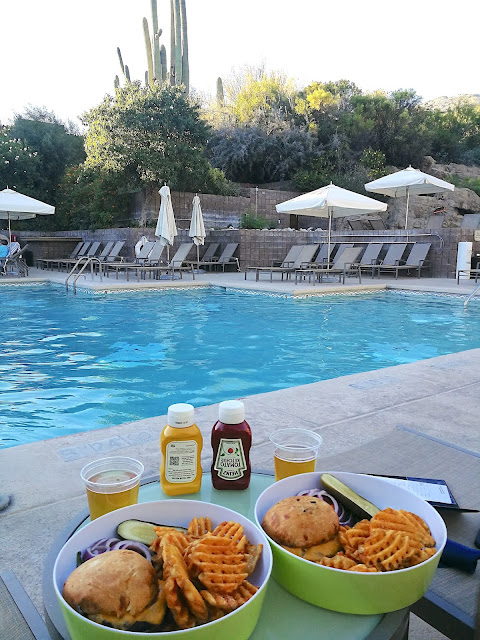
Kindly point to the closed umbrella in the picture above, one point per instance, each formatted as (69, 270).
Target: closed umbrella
(166, 228)
(331, 202)
(406, 182)
(197, 228)
(16, 206)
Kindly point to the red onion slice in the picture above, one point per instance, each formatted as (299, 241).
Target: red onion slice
(139, 547)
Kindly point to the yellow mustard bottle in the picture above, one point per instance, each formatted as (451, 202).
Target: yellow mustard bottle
(181, 446)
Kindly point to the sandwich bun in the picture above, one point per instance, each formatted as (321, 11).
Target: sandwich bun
(301, 521)
(117, 588)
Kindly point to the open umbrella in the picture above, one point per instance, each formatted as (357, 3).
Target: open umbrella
(166, 228)
(197, 228)
(16, 206)
(406, 182)
(330, 202)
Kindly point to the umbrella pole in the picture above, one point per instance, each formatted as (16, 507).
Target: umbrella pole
(9, 230)
(198, 257)
(329, 235)
(406, 213)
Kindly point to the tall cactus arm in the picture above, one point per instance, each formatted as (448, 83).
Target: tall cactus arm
(185, 67)
(220, 94)
(157, 62)
(153, 4)
(148, 49)
(163, 59)
(119, 53)
(116, 82)
(127, 73)
(172, 41)
(178, 44)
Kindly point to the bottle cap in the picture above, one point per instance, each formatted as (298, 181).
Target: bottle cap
(180, 415)
(231, 412)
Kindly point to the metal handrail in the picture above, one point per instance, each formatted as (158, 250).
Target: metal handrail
(465, 304)
(89, 261)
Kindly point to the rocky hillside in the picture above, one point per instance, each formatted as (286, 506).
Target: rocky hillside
(445, 102)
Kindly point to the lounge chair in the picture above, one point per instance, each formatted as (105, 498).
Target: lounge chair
(344, 264)
(18, 616)
(90, 253)
(113, 255)
(288, 261)
(415, 260)
(141, 259)
(469, 272)
(356, 225)
(210, 251)
(177, 264)
(370, 256)
(304, 258)
(80, 249)
(110, 257)
(377, 224)
(393, 257)
(15, 263)
(227, 257)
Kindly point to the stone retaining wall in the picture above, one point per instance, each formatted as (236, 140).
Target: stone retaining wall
(260, 247)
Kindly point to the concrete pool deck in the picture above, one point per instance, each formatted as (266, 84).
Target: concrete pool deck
(438, 397)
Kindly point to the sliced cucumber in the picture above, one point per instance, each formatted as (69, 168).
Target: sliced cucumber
(348, 497)
(140, 531)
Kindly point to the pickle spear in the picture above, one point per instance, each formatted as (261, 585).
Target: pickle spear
(361, 506)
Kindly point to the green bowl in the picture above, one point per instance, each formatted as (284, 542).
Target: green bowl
(238, 625)
(347, 591)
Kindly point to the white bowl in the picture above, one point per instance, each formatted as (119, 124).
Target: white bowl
(237, 625)
(348, 591)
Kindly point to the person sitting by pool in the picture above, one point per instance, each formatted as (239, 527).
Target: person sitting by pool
(4, 253)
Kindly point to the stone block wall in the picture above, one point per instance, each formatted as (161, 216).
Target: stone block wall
(261, 247)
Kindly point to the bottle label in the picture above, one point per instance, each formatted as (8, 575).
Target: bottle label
(230, 461)
(181, 461)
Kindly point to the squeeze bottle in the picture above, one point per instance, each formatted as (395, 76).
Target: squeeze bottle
(181, 447)
(231, 442)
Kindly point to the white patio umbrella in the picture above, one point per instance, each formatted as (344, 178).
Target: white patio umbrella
(406, 182)
(166, 228)
(331, 202)
(197, 228)
(16, 206)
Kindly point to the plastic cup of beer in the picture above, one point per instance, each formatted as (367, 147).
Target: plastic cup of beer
(295, 451)
(111, 483)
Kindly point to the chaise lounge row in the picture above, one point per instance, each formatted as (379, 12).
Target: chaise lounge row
(315, 261)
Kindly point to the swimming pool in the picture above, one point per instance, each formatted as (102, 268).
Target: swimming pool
(74, 363)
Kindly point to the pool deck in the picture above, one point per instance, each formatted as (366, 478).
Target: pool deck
(438, 397)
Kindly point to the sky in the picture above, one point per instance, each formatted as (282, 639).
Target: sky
(62, 54)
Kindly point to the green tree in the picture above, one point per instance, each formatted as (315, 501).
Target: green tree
(57, 146)
(394, 124)
(456, 134)
(248, 154)
(264, 100)
(20, 167)
(147, 136)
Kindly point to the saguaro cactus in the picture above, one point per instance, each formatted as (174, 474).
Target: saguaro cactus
(220, 94)
(157, 54)
(184, 44)
(148, 49)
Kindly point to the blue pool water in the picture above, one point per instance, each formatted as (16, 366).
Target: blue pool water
(73, 363)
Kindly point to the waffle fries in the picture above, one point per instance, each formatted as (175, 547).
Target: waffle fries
(204, 571)
(391, 540)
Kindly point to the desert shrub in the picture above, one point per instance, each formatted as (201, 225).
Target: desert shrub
(252, 221)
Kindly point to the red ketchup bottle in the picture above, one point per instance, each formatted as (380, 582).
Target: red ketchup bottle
(231, 442)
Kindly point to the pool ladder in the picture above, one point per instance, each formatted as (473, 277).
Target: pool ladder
(465, 304)
(89, 261)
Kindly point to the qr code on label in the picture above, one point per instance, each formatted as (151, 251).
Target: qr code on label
(174, 461)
